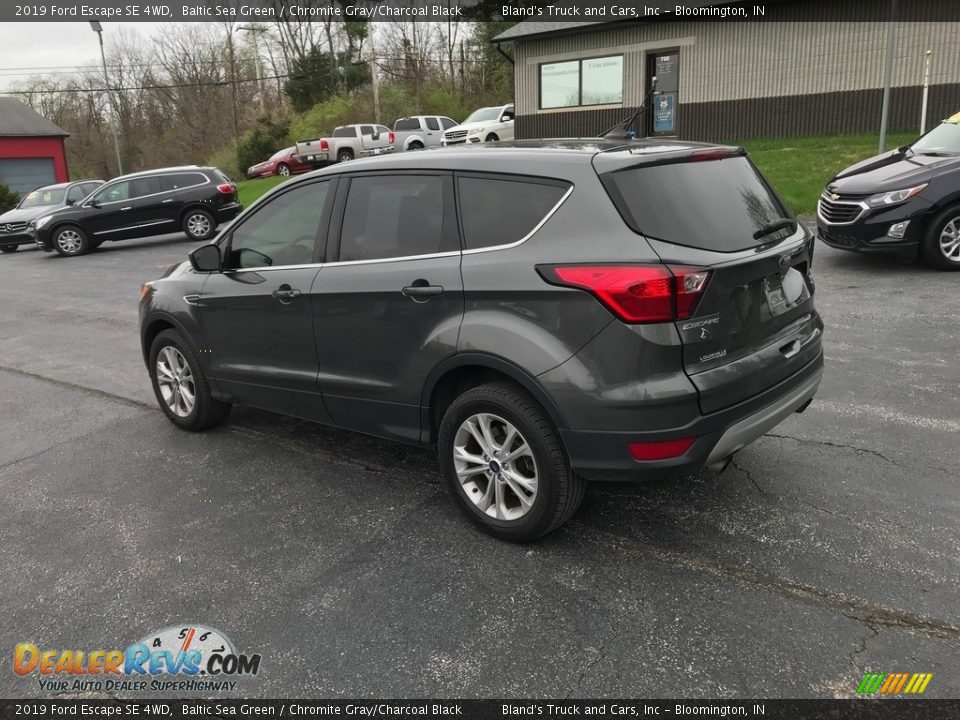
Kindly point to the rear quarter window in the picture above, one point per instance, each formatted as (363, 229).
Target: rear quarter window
(345, 132)
(712, 204)
(503, 210)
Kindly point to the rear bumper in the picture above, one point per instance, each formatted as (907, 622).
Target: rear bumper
(605, 455)
(226, 213)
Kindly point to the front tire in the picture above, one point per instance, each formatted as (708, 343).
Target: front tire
(505, 464)
(492, 138)
(199, 224)
(941, 243)
(70, 241)
(181, 386)
(8, 249)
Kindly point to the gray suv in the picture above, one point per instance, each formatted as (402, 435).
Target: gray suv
(542, 313)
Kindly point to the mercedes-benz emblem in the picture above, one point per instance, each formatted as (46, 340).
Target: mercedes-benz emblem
(7, 228)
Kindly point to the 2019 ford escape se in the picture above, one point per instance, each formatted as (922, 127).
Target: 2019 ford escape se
(541, 312)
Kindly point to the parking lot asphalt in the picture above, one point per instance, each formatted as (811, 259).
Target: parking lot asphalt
(830, 547)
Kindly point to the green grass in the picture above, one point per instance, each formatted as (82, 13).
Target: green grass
(799, 167)
(250, 190)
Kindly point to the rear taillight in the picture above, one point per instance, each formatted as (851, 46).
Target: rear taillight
(660, 449)
(227, 188)
(324, 145)
(391, 137)
(636, 293)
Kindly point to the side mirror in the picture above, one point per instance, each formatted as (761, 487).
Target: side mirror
(206, 258)
(506, 118)
(70, 203)
(94, 203)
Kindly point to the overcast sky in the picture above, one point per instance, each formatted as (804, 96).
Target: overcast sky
(58, 46)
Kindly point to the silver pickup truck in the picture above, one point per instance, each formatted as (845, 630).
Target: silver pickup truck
(420, 131)
(348, 142)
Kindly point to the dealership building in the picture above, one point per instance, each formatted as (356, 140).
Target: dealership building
(806, 67)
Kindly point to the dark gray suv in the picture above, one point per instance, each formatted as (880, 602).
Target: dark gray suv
(541, 313)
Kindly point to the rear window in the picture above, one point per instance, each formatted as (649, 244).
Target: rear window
(344, 132)
(712, 204)
(406, 124)
(499, 210)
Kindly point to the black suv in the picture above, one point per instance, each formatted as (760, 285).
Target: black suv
(540, 312)
(904, 200)
(192, 199)
(13, 223)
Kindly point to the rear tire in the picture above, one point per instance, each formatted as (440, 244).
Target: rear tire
(941, 242)
(199, 224)
(344, 156)
(9, 249)
(70, 241)
(177, 376)
(415, 146)
(511, 478)
(283, 170)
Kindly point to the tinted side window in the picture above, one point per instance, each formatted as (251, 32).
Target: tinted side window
(447, 123)
(500, 211)
(178, 181)
(145, 186)
(366, 129)
(406, 124)
(115, 192)
(432, 124)
(393, 216)
(89, 188)
(76, 194)
(345, 132)
(282, 232)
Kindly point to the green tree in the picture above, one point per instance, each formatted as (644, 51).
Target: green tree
(8, 198)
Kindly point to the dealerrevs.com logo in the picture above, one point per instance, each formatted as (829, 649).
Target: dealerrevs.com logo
(188, 657)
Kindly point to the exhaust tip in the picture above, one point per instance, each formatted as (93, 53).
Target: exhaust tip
(720, 465)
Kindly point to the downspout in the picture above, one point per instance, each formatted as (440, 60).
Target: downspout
(501, 51)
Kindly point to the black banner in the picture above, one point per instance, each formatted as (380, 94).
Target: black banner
(871, 709)
(541, 11)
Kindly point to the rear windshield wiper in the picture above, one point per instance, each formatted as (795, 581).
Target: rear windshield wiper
(774, 225)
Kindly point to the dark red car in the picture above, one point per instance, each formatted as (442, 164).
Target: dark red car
(284, 162)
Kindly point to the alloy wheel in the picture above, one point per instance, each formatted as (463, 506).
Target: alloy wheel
(284, 171)
(176, 382)
(198, 225)
(950, 240)
(69, 241)
(495, 466)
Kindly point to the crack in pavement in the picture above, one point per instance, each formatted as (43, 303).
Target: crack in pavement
(854, 448)
(853, 607)
(93, 392)
(745, 471)
(612, 635)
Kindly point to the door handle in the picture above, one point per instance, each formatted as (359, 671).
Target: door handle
(285, 294)
(421, 291)
(129, 207)
(168, 200)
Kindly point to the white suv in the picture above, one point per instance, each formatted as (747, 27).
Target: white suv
(488, 124)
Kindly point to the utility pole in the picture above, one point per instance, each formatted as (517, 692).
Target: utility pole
(374, 80)
(888, 74)
(926, 93)
(255, 31)
(98, 29)
(233, 85)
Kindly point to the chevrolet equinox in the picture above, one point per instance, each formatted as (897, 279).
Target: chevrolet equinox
(541, 313)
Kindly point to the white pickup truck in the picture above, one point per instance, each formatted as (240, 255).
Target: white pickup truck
(348, 142)
(421, 131)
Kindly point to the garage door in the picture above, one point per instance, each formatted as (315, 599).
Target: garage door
(24, 174)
